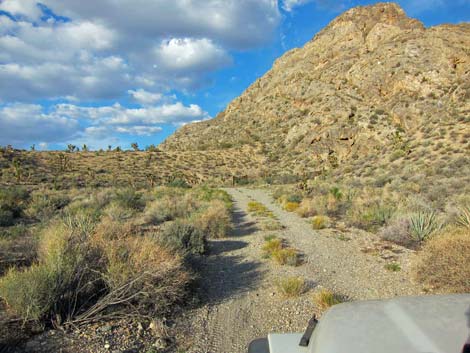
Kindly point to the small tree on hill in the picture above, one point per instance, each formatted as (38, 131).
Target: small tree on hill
(135, 146)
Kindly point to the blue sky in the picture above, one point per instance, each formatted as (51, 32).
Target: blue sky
(95, 73)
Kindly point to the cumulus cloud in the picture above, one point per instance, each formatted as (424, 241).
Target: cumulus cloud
(187, 54)
(25, 123)
(22, 124)
(104, 48)
(139, 130)
(240, 24)
(144, 97)
(87, 52)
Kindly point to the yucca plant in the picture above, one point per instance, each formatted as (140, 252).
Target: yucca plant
(463, 218)
(423, 224)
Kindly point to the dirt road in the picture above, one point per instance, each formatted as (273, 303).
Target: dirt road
(238, 285)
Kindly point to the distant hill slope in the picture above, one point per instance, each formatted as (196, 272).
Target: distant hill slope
(374, 87)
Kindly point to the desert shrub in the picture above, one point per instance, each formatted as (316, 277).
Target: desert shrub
(12, 202)
(62, 281)
(294, 198)
(291, 287)
(369, 214)
(129, 198)
(290, 206)
(272, 245)
(28, 293)
(117, 212)
(271, 224)
(336, 193)
(6, 218)
(398, 231)
(325, 299)
(393, 267)
(320, 222)
(17, 231)
(286, 256)
(423, 225)
(215, 222)
(179, 183)
(87, 272)
(205, 193)
(45, 204)
(142, 278)
(443, 261)
(184, 238)
(170, 208)
(312, 207)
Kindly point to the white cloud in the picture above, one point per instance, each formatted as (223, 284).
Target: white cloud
(187, 54)
(236, 23)
(23, 8)
(289, 5)
(22, 124)
(139, 130)
(144, 97)
(27, 123)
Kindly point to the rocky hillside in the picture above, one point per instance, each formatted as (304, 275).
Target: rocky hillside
(374, 87)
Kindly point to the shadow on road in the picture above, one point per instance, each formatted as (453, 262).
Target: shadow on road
(242, 226)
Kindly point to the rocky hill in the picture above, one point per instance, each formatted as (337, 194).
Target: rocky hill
(375, 92)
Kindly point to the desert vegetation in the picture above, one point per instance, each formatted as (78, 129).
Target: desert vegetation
(436, 228)
(78, 256)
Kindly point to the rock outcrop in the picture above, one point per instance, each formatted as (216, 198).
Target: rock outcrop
(372, 83)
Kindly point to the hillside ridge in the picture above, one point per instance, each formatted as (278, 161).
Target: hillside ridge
(368, 84)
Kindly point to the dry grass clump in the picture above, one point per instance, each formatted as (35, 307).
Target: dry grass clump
(271, 245)
(311, 207)
(275, 249)
(443, 263)
(320, 222)
(290, 206)
(215, 222)
(271, 224)
(291, 287)
(258, 209)
(325, 299)
(287, 256)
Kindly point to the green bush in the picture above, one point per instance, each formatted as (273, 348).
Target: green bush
(179, 183)
(64, 279)
(129, 198)
(45, 204)
(6, 218)
(29, 293)
(183, 237)
(12, 203)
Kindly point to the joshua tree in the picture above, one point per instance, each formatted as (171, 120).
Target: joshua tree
(135, 146)
(110, 148)
(33, 147)
(85, 148)
(71, 148)
(18, 170)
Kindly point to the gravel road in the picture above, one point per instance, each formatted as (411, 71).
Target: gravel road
(238, 286)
